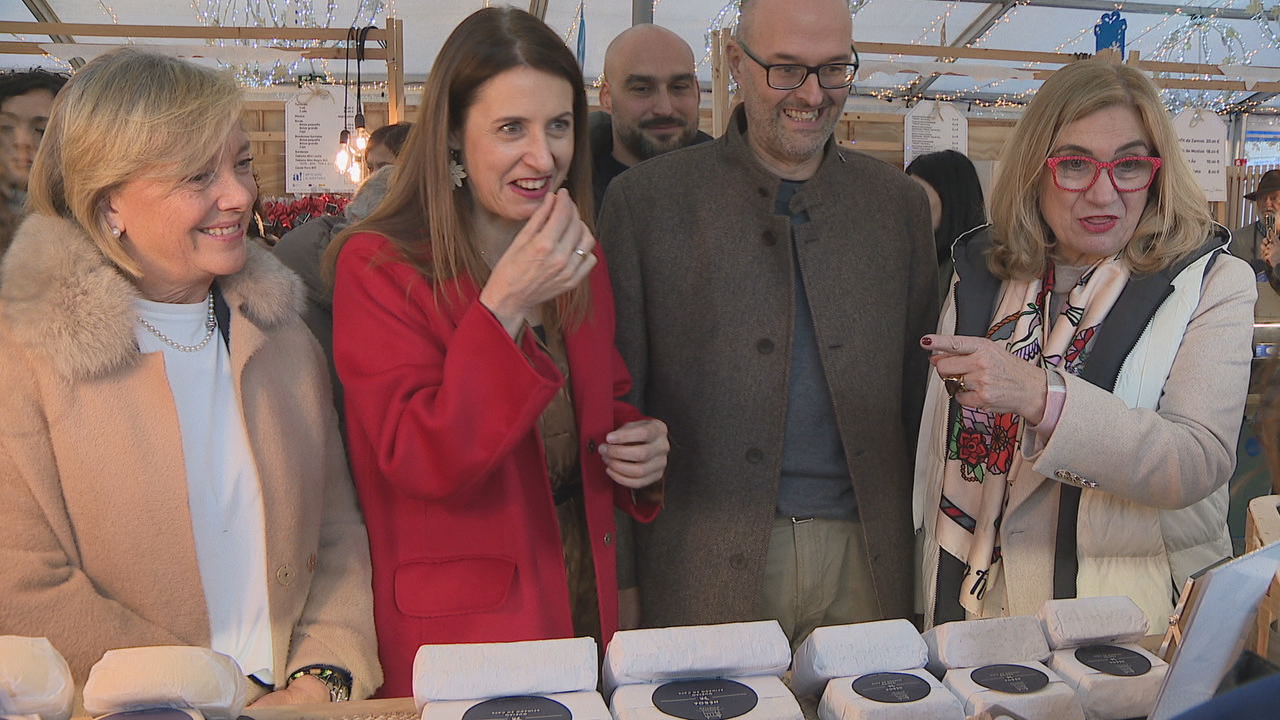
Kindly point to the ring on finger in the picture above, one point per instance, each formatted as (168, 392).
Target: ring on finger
(954, 384)
(581, 253)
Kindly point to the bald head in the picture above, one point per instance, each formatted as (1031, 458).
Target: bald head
(651, 90)
(752, 11)
(641, 40)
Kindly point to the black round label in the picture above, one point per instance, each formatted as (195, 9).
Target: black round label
(150, 714)
(1113, 660)
(891, 687)
(1014, 679)
(704, 699)
(519, 707)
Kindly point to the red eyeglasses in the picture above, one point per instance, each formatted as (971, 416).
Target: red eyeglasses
(1077, 173)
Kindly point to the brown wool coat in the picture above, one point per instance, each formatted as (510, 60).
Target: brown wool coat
(97, 549)
(703, 278)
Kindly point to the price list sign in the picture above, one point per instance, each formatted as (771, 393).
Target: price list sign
(931, 127)
(1203, 138)
(312, 127)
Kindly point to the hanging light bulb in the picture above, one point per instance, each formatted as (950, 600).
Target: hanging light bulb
(343, 160)
(356, 172)
(362, 135)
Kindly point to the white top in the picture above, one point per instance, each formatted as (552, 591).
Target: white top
(222, 484)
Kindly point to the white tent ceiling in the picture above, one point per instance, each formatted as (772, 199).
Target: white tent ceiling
(1206, 31)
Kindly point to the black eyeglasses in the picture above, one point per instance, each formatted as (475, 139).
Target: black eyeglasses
(788, 76)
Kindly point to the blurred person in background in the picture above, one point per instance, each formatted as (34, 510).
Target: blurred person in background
(26, 99)
(955, 203)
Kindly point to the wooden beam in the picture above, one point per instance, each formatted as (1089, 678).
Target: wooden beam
(980, 25)
(720, 105)
(1143, 8)
(395, 71)
(202, 32)
(946, 52)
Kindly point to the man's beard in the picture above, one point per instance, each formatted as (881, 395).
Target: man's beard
(643, 146)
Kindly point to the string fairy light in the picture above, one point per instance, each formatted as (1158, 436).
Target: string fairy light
(278, 14)
(1200, 40)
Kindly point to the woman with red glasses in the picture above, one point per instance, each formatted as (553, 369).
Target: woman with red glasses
(1091, 367)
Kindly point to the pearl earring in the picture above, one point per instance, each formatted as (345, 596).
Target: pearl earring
(115, 232)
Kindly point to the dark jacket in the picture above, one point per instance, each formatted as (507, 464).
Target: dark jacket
(703, 276)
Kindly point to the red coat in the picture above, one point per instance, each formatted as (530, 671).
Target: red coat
(441, 411)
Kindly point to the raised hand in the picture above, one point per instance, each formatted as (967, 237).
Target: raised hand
(548, 257)
(987, 376)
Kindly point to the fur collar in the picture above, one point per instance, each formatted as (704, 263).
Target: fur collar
(74, 310)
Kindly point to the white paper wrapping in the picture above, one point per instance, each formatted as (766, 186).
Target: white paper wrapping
(635, 701)
(177, 677)
(1092, 621)
(479, 671)
(840, 702)
(1056, 700)
(1111, 697)
(840, 651)
(696, 651)
(34, 679)
(583, 705)
(974, 643)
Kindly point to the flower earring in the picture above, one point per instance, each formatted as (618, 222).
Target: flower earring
(456, 171)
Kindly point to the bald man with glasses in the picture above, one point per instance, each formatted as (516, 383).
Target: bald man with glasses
(771, 290)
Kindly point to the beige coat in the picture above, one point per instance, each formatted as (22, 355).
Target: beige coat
(97, 550)
(1161, 458)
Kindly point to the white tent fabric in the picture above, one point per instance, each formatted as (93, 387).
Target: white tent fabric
(1205, 31)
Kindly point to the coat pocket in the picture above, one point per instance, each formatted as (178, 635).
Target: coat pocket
(438, 587)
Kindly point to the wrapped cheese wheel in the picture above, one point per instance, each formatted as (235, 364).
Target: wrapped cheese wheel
(556, 706)
(907, 695)
(1113, 682)
(729, 650)
(973, 643)
(1092, 621)
(1028, 689)
(478, 671)
(840, 651)
(166, 677)
(34, 679)
(757, 697)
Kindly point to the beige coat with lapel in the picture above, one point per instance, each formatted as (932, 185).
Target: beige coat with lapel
(97, 549)
(703, 275)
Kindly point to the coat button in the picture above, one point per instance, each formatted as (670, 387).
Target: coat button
(754, 455)
(608, 539)
(284, 575)
(769, 238)
(737, 561)
(765, 346)
(591, 446)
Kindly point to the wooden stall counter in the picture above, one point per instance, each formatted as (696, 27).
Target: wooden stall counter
(383, 709)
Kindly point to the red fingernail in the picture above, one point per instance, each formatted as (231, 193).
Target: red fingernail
(926, 341)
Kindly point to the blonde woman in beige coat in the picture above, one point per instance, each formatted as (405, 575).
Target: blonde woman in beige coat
(170, 466)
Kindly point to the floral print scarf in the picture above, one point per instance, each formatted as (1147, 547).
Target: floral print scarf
(983, 453)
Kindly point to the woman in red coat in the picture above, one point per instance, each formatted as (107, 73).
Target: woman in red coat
(473, 332)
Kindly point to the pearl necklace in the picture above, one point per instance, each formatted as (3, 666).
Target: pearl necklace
(210, 324)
